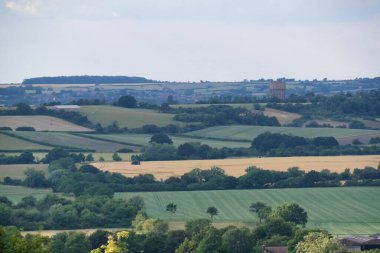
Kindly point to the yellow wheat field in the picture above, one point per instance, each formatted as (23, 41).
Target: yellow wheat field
(236, 167)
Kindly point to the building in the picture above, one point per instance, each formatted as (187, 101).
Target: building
(277, 89)
(65, 107)
(275, 250)
(361, 243)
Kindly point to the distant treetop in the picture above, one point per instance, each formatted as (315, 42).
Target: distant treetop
(86, 80)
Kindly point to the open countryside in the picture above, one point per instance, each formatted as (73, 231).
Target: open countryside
(236, 167)
(41, 123)
(338, 210)
(143, 140)
(126, 117)
(247, 133)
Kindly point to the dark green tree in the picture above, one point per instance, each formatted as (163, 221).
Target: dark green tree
(127, 101)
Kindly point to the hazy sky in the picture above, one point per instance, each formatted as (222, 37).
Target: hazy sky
(190, 39)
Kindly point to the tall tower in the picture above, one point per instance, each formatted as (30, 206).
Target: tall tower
(277, 89)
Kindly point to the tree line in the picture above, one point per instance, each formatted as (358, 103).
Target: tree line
(86, 80)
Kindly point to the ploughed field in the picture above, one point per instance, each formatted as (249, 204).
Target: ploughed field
(236, 167)
(341, 211)
(248, 133)
(41, 123)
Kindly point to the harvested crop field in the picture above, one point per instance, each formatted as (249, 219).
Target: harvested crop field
(282, 116)
(248, 133)
(236, 167)
(338, 210)
(41, 123)
(16, 171)
(126, 117)
(9, 143)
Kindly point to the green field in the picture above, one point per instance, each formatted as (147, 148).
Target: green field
(349, 210)
(143, 140)
(126, 117)
(9, 143)
(16, 193)
(248, 133)
(70, 141)
(16, 171)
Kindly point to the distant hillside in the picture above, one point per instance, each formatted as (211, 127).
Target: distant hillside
(86, 80)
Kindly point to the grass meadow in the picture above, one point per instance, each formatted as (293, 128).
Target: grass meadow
(248, 133)
(342, 211)
(126, 117)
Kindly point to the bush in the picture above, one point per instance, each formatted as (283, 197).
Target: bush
(125, 150)
(6, 128)
(116, 157)
(25, 128)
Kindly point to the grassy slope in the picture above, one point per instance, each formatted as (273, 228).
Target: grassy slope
(143, 139)
(11, 143)
(131, 118)
(240, 132)
(69, 140)
(17, 170)
(339, 210)
(41, 123)
(16, 193)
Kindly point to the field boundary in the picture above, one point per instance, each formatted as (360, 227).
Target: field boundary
(84, 135)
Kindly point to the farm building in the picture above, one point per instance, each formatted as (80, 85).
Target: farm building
(275, 250)
(360, 243)
(65, 107)
(277, 89)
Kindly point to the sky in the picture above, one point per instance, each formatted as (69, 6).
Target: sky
(190, 40)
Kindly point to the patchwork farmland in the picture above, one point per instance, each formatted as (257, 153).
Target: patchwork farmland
(248, 133)
(70, 141)
(143, 140)
(338, 210)
(9, 143)
(236, 167)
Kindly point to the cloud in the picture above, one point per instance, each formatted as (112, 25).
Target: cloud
(27, 7)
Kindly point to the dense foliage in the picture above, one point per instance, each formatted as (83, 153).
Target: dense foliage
(222, 115)
(53, 212)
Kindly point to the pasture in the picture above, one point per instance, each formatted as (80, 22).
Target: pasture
(70, 141)
(342, 211)
(126, 117)
(236, 167)
(248, 133)
(41, 123)
(9, 143)
(16, 171)
(143, 140)
(16, 193)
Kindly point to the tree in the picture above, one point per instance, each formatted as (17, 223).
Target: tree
(171, 207)
(127, 101)
(291, 212)
(137, 201)
(116, 157)
(55, 154)
(212, 211)
(264, 213)
(35, 178)
(255, 207)
(135, 160)
(237, 240)
(319, 242)
(160, 138)
(89, 158)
